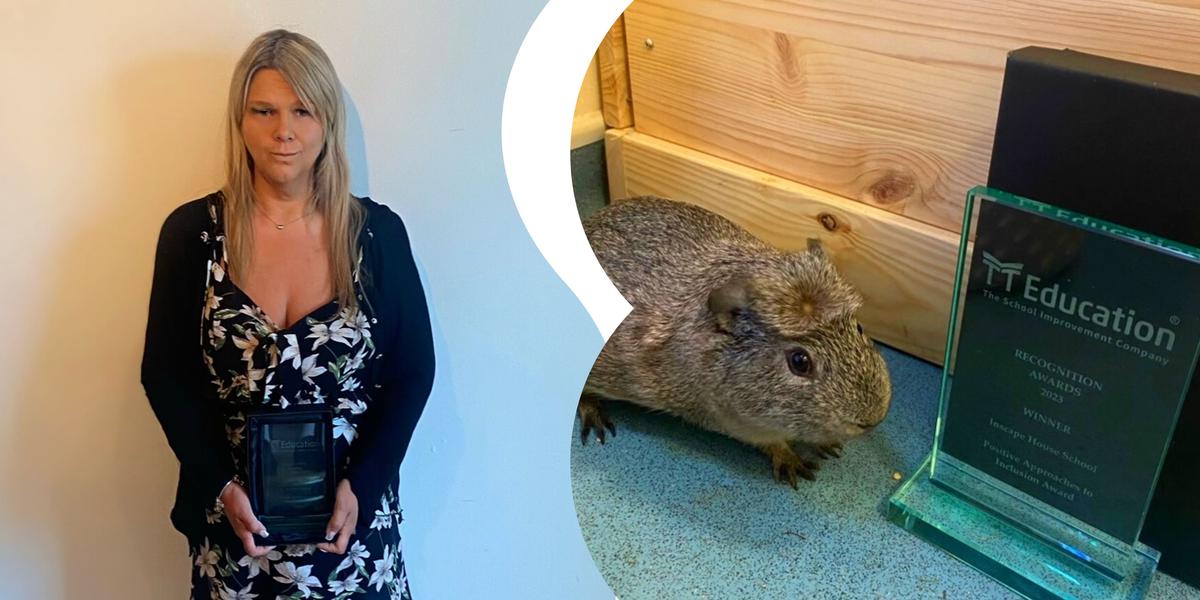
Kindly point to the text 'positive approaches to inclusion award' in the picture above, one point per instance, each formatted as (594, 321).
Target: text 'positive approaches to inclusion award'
(1072, 344)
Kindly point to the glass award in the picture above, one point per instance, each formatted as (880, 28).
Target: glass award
(1071, 346)
(291, 476)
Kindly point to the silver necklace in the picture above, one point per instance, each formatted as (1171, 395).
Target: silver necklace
(280, 226)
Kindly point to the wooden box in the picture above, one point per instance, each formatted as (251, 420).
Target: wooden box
(861, 122)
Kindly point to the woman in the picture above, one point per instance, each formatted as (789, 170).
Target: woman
(299, 295)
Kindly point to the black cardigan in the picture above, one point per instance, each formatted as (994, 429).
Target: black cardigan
(177, 382)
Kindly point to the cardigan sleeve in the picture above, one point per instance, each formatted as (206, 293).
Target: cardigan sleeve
(173, 371)
(406, 373)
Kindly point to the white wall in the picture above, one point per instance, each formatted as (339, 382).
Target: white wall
(109, 118)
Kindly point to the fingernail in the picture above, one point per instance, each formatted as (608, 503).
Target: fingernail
(329, 536)
(263, 532)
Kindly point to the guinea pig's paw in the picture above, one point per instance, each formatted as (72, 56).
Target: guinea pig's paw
(833, 450)
(592, 416)
(786, 464)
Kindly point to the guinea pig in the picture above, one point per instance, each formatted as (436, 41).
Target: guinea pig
(732, 335)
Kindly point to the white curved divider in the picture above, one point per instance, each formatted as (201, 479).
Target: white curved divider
(535, 129)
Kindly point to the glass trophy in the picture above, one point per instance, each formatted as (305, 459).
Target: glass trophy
(1071, 346)
(291, 476)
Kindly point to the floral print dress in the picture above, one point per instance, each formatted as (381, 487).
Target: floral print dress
(255, 364)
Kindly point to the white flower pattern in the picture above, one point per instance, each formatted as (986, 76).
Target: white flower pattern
(242, 594)
(207, 559)
(310, 369)
(383, 516)
(356, 363)
(383, 570)
(344, 429)
(334, 332)
(291, 351)
(356, 407)
(355, 556)
(301, 577)
(261, 564)
(349, 585)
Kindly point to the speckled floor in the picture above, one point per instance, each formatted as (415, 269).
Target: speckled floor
(671, 511)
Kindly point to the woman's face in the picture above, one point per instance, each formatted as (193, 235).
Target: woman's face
(282, 136)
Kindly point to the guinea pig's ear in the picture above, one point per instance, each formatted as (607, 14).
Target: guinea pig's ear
(727, 301)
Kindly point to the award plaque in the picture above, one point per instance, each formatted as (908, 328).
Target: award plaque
(1072, 343)
(291, 479)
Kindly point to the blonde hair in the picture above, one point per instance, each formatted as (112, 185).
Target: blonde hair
(309, 71)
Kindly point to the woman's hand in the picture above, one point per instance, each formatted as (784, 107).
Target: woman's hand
(242, 519)
(343, 521)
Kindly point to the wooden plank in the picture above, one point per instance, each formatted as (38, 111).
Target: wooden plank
(788, 106)
(588, 124)
(886, 102)
(588, 99)
(614, 159)
(973, 33)
(614, 77)
(903, 268)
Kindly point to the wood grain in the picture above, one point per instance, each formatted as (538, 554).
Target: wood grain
(614, 77)
(889, 103)
(588, 99)
(903, 268)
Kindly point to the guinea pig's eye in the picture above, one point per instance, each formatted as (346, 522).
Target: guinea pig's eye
(799, 362)
(860, 329)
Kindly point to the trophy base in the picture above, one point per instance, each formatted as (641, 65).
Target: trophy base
(1031, 552)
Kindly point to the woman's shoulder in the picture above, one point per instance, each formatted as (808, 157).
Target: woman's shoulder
(191, 217)
(382, 223)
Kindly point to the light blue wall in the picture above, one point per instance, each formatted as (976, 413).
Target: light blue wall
(486, 484)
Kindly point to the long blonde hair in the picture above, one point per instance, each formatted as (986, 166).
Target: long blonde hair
(309, 71)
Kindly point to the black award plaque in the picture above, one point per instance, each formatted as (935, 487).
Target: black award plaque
(291, 478)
